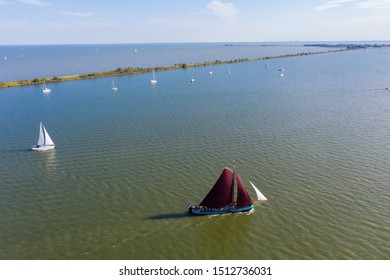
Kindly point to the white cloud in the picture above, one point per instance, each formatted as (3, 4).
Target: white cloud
(367, 4)
(332, 4)
(374, 4)
(78, 14)
(37, 3)
(223, 10)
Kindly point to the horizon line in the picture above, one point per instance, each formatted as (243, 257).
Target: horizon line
(192, 42)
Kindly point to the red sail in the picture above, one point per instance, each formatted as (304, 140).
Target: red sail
(243, 198)
(222, 192)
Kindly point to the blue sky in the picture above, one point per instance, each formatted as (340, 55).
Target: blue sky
(147, 21)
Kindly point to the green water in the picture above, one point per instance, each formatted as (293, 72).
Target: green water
(127, 164)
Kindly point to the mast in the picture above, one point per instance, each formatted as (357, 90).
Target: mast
(44, 134)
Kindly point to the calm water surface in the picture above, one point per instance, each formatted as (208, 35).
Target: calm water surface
(126, 164)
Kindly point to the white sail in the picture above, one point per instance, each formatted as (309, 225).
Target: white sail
(260, 196)
(47, 139)
(41, 139)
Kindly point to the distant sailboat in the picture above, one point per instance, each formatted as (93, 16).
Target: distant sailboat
(45, 89)
(113, 87)
(192, 80)
(44, 140)
(220, 199)
(153, 80)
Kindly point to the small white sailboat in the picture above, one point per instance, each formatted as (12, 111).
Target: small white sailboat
(281, 70)
(210, 72)
(153, 80)
(45, 89)
(192, 80)
(44, 140)
(113, 87)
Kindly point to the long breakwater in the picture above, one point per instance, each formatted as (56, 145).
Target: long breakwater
(139, 70)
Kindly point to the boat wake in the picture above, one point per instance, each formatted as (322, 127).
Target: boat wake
(169, 216)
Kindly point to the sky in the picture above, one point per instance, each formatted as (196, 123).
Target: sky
(160, 21)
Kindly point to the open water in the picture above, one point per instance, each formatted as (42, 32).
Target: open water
(126, 164)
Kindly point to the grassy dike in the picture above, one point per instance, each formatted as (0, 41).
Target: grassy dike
(132, 71)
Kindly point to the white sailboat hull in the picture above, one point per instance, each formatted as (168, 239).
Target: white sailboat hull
(42, 148)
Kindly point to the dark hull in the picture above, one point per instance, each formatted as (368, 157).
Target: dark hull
(197, 210)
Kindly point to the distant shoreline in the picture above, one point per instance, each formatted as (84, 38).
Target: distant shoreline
(132, 71)
(348, 46)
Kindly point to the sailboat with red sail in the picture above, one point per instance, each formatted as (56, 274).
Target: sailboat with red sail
(220, 199)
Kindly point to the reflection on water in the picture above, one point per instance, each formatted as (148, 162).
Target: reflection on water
(47, 159)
